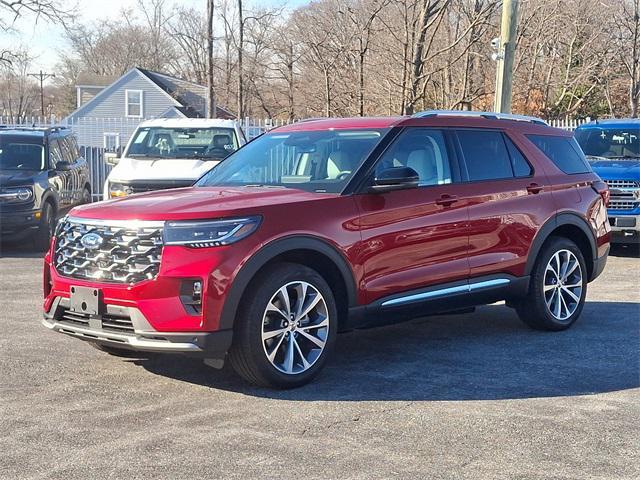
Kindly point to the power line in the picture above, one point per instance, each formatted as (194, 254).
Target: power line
(42, 76)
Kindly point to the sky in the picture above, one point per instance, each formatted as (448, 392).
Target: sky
(46, 41)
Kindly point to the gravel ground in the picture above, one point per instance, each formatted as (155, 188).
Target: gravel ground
(467, 396)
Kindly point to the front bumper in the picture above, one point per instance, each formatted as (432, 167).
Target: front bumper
(17, 225)
(134, 334)
(624, 228)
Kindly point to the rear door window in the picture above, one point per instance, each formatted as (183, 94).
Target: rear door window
(564, 152)
(485, 155)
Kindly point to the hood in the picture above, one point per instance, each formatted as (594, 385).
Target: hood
(617, 169)
(17, 178)
(129, 169)
(196, 202)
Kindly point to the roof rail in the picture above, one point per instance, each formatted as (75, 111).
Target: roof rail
(489, 115)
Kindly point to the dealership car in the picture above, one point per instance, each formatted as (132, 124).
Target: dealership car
(170, 153)
(42, 175)
(330, 225)
(613, 150)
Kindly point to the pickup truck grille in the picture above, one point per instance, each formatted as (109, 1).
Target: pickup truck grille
(624, 194)
(623, 183)
(116, 252)
(150, 186)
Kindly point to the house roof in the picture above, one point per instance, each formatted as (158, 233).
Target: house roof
(190, 98)
(181, 90)
(90, 79)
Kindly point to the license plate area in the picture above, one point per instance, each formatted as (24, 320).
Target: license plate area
(86, 300)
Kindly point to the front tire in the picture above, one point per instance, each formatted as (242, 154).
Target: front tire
(557, 289)
(286, 329)
(42, 239)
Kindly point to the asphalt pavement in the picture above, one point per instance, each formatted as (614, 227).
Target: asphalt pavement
(450, 397)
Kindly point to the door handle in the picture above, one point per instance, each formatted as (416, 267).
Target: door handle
(534, 188)
(447, 200)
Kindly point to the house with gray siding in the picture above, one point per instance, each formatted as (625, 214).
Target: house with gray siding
(108, 114)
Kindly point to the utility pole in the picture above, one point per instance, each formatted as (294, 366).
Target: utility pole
(211, 95)
(42, 76)
(504, 57)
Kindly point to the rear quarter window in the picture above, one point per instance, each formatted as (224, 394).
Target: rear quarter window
(564, 152)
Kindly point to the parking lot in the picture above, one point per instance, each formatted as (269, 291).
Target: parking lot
(466, 396)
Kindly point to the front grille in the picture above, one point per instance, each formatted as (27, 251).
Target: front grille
(121, 252)
(150, 186)
(615, 204)
(623, 183)
(116, 323)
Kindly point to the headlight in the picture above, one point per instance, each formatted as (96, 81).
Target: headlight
(117, 190)
(18, 194)
(209, 233)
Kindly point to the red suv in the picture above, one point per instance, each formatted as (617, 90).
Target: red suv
(328, 225)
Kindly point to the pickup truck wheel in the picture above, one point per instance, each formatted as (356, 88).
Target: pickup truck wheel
(46, 229)
(86, 196)
(286, 330)
(557, 289)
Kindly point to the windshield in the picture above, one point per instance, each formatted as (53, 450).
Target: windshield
(610, 142)
(321, 161)
(21, 153)
(181, 143)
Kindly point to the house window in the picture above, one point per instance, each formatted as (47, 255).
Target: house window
(133, 103)
(112, 142)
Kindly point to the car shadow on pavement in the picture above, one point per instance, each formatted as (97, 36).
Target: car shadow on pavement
(486, 355)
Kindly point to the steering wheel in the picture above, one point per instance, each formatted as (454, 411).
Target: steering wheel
(342, 175)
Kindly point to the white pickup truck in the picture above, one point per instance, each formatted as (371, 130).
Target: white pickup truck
(171, 153)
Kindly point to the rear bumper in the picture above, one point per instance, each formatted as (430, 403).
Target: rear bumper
(599, 264)
(625, 228)
(140, 337)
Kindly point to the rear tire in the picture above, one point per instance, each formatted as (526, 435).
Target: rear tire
(42, 239)
(286, 328)
(557, 288)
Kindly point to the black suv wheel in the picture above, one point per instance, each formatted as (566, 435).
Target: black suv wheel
(46, 229)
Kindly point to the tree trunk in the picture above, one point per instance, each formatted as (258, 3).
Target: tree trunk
(211, 97)
(240, 98)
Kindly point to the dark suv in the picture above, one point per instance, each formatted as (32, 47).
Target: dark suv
(330, 225)
(41, 175)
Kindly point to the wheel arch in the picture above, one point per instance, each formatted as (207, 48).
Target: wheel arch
(305, 250)
(50, 197)
(567, 225)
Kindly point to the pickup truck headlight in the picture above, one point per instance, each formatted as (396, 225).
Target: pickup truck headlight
(118, 190)
(16, 194)
(209, 233)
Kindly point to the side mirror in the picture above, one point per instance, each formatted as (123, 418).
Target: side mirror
(63, 165)
(395, 178)
(111, 158)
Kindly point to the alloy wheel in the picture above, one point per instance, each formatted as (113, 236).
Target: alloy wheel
(295, 327)
(563, 283)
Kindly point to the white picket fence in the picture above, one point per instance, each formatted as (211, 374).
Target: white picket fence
(88, 129)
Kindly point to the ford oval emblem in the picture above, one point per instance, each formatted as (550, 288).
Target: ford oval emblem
(91, 241)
